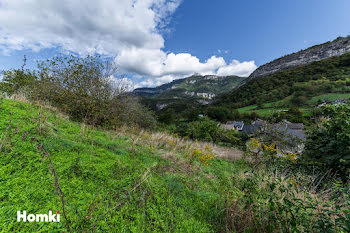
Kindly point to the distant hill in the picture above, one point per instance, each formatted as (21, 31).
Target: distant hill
(196, 86)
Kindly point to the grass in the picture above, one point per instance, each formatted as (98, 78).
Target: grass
(269, 108)
(111, 182)
(127, 180)
(265, 111)
(329, 97)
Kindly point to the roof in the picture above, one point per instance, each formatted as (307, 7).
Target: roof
(291, 132)
(250, 129)
(296, 126)
(259, 123)
(238, 123)
(227, 126)
(296, 133)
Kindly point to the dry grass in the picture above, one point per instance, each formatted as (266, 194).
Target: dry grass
(173, 143)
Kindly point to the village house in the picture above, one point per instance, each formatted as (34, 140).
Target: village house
(233, 125)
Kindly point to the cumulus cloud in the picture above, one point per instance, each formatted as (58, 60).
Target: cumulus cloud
(130, 30)
(243, 69)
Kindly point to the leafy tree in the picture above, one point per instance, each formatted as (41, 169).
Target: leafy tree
(218, 113)
(294, 115)
(167, 116)
(18, 80)
(204, 129)
(84, 88)
(329, 142)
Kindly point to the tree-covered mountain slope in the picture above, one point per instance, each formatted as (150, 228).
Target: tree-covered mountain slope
(196, 86)
(296, 86)
(326, 50)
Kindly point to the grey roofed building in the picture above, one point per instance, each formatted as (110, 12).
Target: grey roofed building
(227, 126)
(259, 123)
(296, 133)
(237, 125)
(250, 129)
(294, 126)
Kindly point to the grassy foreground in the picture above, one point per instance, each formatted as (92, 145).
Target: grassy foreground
(110, 183)
(135, 181)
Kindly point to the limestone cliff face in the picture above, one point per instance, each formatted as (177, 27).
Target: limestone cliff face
(316, 53)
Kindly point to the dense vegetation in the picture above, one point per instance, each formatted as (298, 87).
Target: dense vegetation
(77, 143)
(298, 84)
(136, 181)
(84, 88)
(181, 88)
(329, 142)
(290, 94)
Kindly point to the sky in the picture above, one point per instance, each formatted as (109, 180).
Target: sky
(156, 41)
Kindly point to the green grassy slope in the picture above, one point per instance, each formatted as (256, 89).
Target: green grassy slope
(140, 181)
(110, 184)
(268, 109)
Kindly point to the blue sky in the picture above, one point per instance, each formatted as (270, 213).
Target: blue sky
(261, 30)
(156, 41)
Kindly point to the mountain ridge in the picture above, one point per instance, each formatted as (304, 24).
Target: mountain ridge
(319, 52)
(197, 86)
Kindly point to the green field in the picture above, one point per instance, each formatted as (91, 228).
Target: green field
(329, 97)
(268, 108)
(266, 112)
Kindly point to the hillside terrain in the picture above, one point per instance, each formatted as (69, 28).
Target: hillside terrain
(303, 79)
(130, 180)
(125, 181)
(196, 86)
(296, 86)
(315, 53)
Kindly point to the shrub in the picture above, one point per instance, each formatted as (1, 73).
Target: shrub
(84, 88)
(329, 142)
(18, 80)
(218, 113)
(208, 130)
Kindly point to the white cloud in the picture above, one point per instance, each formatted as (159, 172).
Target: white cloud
(128, 29)
(243, 69)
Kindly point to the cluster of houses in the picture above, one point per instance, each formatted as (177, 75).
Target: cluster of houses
(288, 129)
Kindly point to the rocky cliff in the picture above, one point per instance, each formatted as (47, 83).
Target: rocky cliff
(316, 53)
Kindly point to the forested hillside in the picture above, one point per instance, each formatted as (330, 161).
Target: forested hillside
(196, 86)
(296, 86)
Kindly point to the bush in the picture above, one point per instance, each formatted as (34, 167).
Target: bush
(208, 130)
(329, 142)
(84, 88)
(218, 113)
(18, 80)
(203, 129)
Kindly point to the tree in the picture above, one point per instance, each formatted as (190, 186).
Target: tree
(329, 142)
(85, 88)
(81, 87)
(218, 113)
(18, 80)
